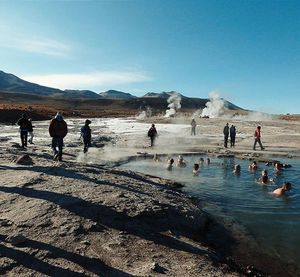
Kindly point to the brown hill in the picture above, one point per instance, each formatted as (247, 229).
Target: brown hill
(44, 107)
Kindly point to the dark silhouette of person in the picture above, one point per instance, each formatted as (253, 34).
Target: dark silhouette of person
(193, 124)
(152, 133)
(58, 129)
(86, 135)
(232, 135)
(226, 134)
(257, 137)
(25, 126)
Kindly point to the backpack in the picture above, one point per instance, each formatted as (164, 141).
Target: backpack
(85, 131)
(151, 132)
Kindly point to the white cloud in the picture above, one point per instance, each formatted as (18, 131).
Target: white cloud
(28, 43)
(88, 80)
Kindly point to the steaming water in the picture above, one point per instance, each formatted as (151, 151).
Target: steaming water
(274, 221)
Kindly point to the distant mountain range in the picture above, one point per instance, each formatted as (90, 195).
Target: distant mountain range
(13, 84)
(10, 83)
(114, 94)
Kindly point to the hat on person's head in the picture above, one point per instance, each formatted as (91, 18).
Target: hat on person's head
(87, 122)
(58, 116)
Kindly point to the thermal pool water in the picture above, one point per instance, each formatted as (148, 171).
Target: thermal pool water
(273, 221)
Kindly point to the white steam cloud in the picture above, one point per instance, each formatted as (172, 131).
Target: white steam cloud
(174, 104)
(144, 114)
(215, 107)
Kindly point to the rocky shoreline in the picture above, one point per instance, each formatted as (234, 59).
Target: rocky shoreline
(74, 218)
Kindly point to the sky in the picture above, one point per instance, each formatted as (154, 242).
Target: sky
(247, 51)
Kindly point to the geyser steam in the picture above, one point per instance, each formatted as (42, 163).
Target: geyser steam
(215, 107)
(174, 104)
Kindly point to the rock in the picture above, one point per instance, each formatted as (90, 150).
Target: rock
(85, 242)
(157, 268)
(24, 160)
(16, 239)
(15, 145)
(3, 139)
(5, 223)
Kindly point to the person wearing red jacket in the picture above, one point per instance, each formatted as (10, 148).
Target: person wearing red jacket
(58, 129)
(257, 137)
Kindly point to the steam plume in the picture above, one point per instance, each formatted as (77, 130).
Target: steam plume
(174, 104)
(215, 107)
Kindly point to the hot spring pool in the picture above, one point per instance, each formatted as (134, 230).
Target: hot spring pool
(273, 221)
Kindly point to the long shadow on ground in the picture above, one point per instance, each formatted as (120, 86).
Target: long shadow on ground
(29, 261)
(109, 217)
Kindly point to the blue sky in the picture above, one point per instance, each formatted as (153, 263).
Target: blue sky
(248, 51)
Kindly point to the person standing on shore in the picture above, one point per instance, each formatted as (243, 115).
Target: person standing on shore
(226, 134)
(232, 135)
(152, 133)
(194, 125)
(30, 131)
(25, 126)
(86, 135)
(257, 138)
(58, 129)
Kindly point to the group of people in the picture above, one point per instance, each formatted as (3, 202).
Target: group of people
(264, 178)
(229, 132)
(58, 129)
(181, 162)
(26, 128)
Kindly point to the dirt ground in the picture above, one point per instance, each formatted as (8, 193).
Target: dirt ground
(84, 217)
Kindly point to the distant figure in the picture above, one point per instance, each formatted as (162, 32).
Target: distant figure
(86, 135)
(208, 161)
(170, 164)
(257, 138)
(152, 133)
(58, 129)
(237, 169)
(196, 170)
(193, 124)
(264, 178)
(281, 191)
(25, 126)
(253, 166)
(201, 161)
(30, 131)
(226, 134)
(278, 166)
(232, 135)
(180, 162)
(156, 158)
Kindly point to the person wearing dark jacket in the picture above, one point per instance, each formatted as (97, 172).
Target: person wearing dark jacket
(152, 133)
(226, 134)
(58, 129)
(25, 126)
(232, 135)
(30, 131)
(86, 135)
